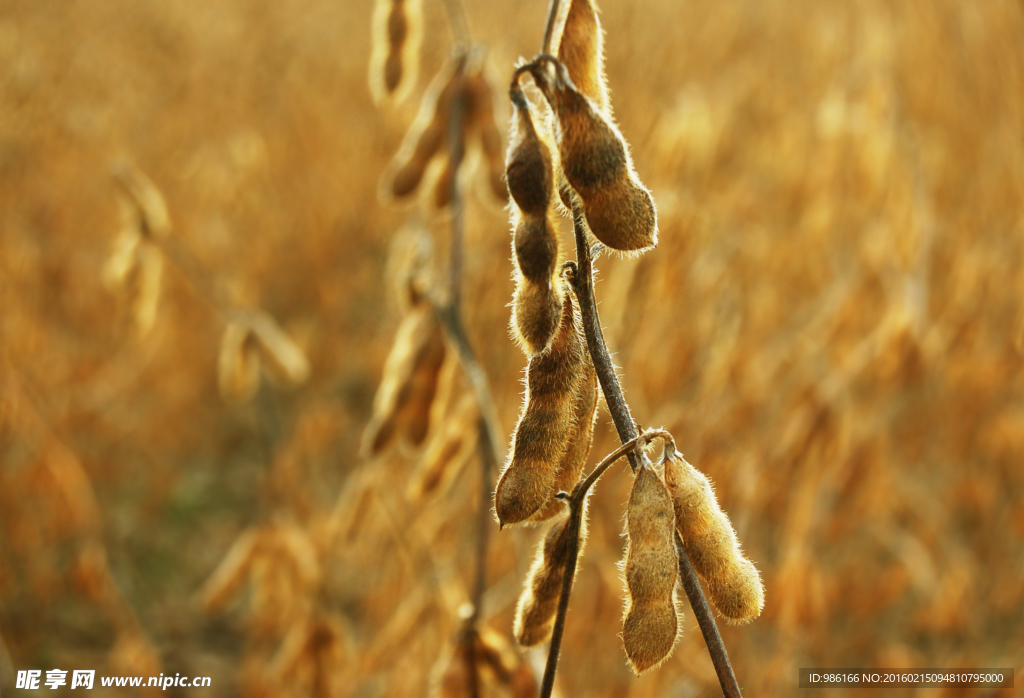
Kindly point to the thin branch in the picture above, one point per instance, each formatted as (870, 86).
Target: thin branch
(574, 525)
(582, 277)
(458, 23)
(706, 621)
(449, 315)
(625, 449)
(577, 501)
(549, 26)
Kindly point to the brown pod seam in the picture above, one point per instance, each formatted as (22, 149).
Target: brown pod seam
(538, 604)
(581, 49)
(541, 437)
(595, 159)
(734, 584)
(650, 625)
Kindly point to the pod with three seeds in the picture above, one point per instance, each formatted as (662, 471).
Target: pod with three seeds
(538, 298)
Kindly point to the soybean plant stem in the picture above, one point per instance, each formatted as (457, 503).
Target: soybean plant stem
(450, 316)
(549, 26)
(575, 519)
(583, 284)
(706, 621)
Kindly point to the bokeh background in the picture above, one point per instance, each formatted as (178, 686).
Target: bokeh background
(832, 326)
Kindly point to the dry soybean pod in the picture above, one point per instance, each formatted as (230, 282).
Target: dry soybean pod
(580, 440)
(425, 137)
(483, 123)
(407, 390)
(596, 163)
(538, 299)
(535, 612)
(447, 451)
(650, 625)
(581, 49)
(541, 437)
(394, 58)
(734, 584)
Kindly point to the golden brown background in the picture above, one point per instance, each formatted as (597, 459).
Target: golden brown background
(832, 327)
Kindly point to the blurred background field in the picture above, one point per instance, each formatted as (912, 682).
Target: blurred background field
(832, 326)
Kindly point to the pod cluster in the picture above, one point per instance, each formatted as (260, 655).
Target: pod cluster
(733, 582)
(460, 82)
(650, 625)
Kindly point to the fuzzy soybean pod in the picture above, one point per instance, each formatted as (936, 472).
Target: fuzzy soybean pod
(581, 49)
(596, 163)
(538, 604)
(541, 438)
(394, 59)
(651, 623)
(425, 137)
(570, 470)
(537, 302)
(483, 123)
(407, 390)
(734, 584)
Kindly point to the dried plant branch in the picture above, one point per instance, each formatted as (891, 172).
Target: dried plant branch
(582, 277)
(706, 621)
(449, 315)
(458, 23)
(576, 503)
(549, 26)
